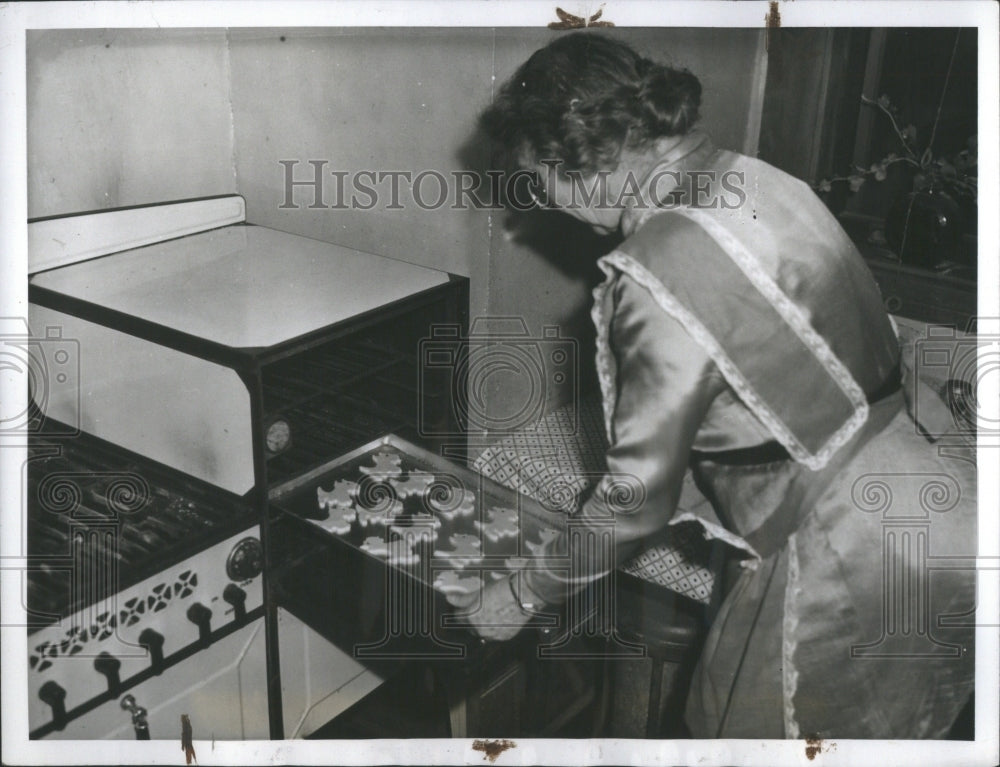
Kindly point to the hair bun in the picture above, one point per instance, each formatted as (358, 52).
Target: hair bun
(585, 97)
(668, 101)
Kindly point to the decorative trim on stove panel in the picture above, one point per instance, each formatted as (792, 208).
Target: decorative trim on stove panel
(64, 653)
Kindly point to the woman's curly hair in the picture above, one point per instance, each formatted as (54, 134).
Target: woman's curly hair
(583, 98)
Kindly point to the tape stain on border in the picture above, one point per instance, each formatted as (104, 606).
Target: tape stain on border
(187, 736)
(492, 748)
(771, 21)
(569, 21)
(815, 746)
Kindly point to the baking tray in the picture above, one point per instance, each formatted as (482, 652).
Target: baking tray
(423, 521)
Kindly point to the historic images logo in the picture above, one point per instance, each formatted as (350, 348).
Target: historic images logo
(321, 188)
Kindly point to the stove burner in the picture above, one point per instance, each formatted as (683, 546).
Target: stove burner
(93, 532)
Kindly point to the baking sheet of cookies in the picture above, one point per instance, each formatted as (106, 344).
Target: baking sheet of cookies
(419, 512)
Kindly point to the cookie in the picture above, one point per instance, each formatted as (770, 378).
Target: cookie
(547, 535)
(415, 535)
(385, 465)
(423, 518)
(341, 496)
(500, 523)
(455, 503)
(380, 516)
(466, 550)
(426, 524)
(339, 521)
(415, 483)
(459, 590)
(396, 550)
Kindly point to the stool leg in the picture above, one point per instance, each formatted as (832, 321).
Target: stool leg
(678, 687)
(456, 691)
(653, 711)
(604, 693)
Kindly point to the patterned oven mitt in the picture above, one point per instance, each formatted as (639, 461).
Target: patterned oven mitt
(562, 457)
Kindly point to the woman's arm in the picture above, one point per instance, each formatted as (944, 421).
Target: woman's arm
(666, 383)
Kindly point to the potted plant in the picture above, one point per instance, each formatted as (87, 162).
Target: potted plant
(926, 223)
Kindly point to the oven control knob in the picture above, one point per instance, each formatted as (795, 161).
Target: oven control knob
(55, 696)
(277, 437)
(237, 597)
(201, 617)
(246, 560)
(153, 641)
(109, 665)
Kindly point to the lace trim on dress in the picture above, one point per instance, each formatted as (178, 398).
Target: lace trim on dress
(609, 397)
(713, 530)
(789, 674)
(798, 322)
(605, 374)
(611, 265)
(702, 336)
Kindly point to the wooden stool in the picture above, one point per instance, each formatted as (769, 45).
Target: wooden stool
(672, 628)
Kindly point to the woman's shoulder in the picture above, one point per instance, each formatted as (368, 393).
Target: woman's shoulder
(665, 232)
(756, 170)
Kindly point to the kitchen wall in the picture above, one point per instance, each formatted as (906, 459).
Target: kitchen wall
(407, 100)
(125, 117)
(373, 99)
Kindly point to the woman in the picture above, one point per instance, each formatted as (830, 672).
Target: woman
(740, 332)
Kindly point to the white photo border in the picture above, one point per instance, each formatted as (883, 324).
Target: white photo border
(16, 18)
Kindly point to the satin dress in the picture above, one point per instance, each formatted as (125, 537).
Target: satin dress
(748, 340)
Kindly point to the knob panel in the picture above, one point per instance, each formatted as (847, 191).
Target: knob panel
(55, 696)
(109, 666)
(237, 597)
(201, 616)
(153, 642)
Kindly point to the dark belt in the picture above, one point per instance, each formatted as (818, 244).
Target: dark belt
(773, 451)
(806, 487)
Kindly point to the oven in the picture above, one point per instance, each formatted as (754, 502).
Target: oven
(184, 365)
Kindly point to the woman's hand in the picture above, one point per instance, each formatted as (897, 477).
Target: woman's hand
(499, 616)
